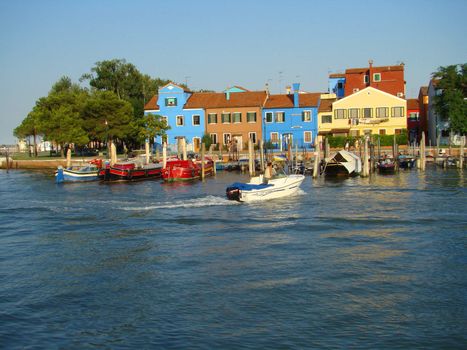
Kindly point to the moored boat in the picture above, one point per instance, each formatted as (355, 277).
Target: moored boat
(186, 170)
(386, 166)
(80, 173)
(343, 163)
(259, 190)
(406, 162)
(130, 171)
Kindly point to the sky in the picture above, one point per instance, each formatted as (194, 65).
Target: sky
(214, 44)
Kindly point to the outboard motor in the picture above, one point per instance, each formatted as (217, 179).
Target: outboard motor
(233, 193)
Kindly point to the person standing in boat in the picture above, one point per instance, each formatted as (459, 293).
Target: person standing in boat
(269, 172)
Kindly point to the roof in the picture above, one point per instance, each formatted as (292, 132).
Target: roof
(219, 100)
(286, 101)
(374, 69)
(412, 103)
(337, 75)
(326, 105)
(152, 104)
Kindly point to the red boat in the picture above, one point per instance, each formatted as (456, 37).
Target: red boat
(186, 170)
(130, 171)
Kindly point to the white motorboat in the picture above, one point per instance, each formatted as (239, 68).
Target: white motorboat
(258, 189)
(343, 163)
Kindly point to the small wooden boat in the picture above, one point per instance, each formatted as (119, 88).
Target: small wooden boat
(259, 190)
(186, 170)
(386, 166)
(79, 173)
(343, 163)
(406, 162)
(130, 171)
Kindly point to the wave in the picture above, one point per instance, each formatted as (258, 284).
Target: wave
(207, 201)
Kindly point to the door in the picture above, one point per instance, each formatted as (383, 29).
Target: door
(196, 144)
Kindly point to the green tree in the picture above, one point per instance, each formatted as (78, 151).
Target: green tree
(152, 125)
(29, 127)
(106, 117)
(450, 104)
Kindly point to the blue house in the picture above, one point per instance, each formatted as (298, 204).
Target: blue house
(291, 119)
(184, 123)
(336, 84)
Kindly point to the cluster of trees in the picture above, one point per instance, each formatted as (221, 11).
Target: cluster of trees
(451, 104)
(110, 109)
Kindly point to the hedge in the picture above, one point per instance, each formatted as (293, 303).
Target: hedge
(385, 140)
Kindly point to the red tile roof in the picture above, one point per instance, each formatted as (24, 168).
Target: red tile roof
(286, 101)
(412, 103)
(152, 104)
(337, 75)
(219, 99)
(326, 105)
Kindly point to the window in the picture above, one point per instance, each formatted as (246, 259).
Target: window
(366, 79)
(367, 112)
(252, 136)
(376, 77)
(280, 117)
(340, 85)
(213, 138)
(306, 116)
(196, 120)
(212, 118)
(307, 137)
(397, 131)
(180, 120)
(237, 117)
(340, 114)
(326, 119)
(268, 117)
(225, 117)
(397, 111)
(171, 101)
(353, 113)
(382, 112)
(251, 117)
(413, 117)
(226, 139)
(355, 133)
(274, 137)
(382, 131)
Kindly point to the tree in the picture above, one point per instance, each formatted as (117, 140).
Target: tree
(106, 117)
(451, 104)
(152, 125)
(29, 127)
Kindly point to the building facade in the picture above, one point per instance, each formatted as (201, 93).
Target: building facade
(187, 123)
(291, 119)
(413, 120)
(368, 111)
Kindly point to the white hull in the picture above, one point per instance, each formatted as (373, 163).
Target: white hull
(281, 187)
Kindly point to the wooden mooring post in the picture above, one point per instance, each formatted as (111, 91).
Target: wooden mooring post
(461, 155)
(203, 150)
(164, 155)
(261, 155)
(251, 160)
(317, 160)
(365, 172)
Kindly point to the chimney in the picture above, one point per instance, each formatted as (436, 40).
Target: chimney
(296, 88)
(227, 95)
(370, 72)
(267, 89)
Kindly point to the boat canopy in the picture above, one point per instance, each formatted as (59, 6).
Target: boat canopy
(349, 160)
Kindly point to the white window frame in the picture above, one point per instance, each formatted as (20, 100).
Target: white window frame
(374, 77)
(266, 117)
(256, 117)
(170, 105)
(232, 118)
(304, 136)
(213, 137)
(255, 138)
(224, 138)
(378, 111)
(222, 118)
(277, 137)
(193, 119)
(337, 111)
(309, 114)
(183, 120)
(283, 117)
(393, 109)
(211, 114)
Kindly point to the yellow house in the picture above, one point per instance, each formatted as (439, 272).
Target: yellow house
(368, 111)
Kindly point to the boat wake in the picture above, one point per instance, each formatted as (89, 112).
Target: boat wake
(208, 201)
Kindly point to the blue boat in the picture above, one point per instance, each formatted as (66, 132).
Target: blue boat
(88, 172)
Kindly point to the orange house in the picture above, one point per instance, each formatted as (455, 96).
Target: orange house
(231, 116)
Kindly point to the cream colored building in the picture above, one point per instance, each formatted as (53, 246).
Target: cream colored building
(368, 111)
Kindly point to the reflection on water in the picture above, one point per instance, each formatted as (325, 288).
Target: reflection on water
(368, 263)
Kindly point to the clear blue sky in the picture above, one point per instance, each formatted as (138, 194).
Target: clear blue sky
(220, 43)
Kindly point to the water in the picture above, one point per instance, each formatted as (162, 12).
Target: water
(377, 263)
